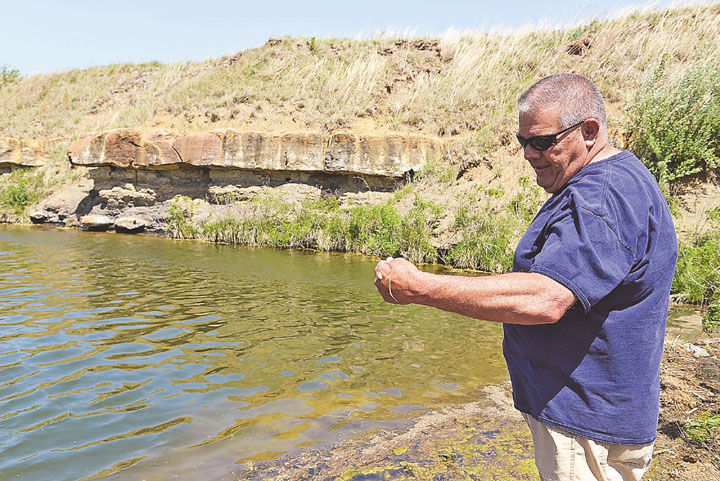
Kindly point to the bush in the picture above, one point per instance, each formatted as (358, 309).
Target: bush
(380, 230)
(673, 123)
(486, 242)
(8, 75)
(180, 219)
(697, 276)
(711, 319)
(21, 188)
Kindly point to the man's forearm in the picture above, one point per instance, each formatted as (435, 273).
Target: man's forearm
(518, 298)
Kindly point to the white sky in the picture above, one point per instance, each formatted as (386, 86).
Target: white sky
(51, 35)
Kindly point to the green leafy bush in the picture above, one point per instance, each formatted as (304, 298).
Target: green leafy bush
(381, 230)
(673, 122)
(21, 188)
(180, 219)
(697, 276)
(711, 319)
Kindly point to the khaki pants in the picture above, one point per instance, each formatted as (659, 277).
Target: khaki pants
(561, 456)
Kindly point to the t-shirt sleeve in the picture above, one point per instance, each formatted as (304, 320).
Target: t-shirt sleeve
(582, 252)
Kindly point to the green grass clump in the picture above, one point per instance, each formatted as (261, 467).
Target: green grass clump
(697, 276)
(486, 242)
(325, 224)
(674, 121)
(180, 224)
(704, 429)
(20, 189)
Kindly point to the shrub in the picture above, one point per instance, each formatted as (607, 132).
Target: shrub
(8, 75)
(486, 242)
(711, 319)
(21, 188)
(697, 276)
(674, 122)
(180, 219)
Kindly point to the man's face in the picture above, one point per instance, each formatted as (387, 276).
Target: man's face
(558, 164)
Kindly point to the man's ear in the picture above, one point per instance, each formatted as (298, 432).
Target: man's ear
(590, 131)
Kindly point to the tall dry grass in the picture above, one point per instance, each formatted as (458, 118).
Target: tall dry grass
(462, 85)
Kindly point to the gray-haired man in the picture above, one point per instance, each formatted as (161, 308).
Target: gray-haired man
(584, 309)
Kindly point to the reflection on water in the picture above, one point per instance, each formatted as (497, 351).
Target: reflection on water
(684, 321)
(144, 358)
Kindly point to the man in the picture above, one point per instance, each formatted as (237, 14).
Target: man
(584, 309)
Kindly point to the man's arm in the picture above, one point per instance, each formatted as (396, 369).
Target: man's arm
(517, 298)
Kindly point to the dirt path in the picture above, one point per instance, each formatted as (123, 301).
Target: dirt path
(488, 440)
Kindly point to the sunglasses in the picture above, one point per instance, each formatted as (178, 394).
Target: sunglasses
(543, 142)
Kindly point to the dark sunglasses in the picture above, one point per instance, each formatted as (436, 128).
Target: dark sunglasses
(543, 142)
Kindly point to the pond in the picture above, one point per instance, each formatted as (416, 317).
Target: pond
(146, 358)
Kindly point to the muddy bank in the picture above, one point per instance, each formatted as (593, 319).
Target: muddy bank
(483, 440)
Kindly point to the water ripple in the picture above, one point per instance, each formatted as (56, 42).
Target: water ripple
(123, 355)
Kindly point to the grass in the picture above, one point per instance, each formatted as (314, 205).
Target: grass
(21, 189)
(461, 85)
(325, 224)
(705, 428)
(179, 224)
(674, 120)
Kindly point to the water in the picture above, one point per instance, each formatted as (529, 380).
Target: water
(145, 358)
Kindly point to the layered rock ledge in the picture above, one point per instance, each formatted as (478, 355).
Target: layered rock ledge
(390, 155)
(126, 179)
(16, 153)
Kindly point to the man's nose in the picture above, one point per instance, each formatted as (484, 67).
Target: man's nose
(531, 154)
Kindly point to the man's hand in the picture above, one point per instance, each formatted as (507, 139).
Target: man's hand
(516, 297)
(396, 280)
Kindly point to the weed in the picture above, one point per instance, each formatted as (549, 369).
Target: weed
(8, 75)
(674, 122)
(22, 188)
(180, 218)
(697, 276)
(703, 429)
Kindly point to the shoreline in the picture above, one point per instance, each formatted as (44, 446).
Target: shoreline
(488, 439)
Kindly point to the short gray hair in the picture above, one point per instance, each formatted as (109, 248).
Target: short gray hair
(576, 97)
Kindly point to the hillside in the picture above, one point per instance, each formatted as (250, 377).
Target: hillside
(461, 86)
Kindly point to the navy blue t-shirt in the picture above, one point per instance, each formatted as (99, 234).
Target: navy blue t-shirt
(608, 236)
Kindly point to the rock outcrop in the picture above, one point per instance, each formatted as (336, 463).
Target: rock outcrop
(127, 196)
(126, 179)
(96, 222)
(16, 153)
(131, 224)
(393, 155)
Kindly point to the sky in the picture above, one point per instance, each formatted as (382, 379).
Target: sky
(41, 36)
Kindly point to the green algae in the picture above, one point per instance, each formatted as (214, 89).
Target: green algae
(467, 450)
